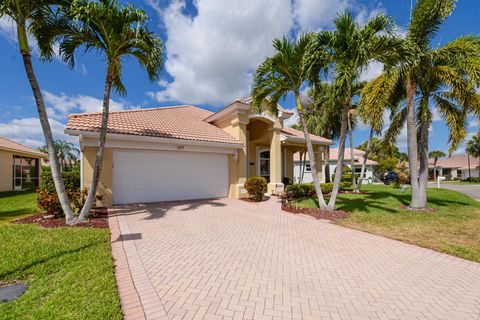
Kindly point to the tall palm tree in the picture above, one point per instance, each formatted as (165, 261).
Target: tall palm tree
(350, 48)
(323, 116)
(66, 152)
(442, 76)
(30, 14)
(279, 75)
(435, 155)
(117, 33)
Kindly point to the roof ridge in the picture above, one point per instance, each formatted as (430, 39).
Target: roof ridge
(23, 145)
(136, 110)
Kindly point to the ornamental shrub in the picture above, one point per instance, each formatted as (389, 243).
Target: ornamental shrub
(302, 190)
(256, 187)
(71, 179)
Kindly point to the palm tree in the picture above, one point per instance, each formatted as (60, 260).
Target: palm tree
(444, 77)
(66, 152)
(323, 116)
(30, 14)
(350, 48)
(117, 33)
(435, 155)
(279, 75)
(473, 149)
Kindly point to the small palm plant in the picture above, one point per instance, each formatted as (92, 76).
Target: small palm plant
(117, 33)
(279, 75)
(28, 15)
(473, 149)
(435, 155)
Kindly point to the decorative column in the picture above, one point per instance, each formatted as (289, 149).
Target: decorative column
(275, 186)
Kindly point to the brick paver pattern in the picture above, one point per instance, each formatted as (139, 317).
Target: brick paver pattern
(231, 259)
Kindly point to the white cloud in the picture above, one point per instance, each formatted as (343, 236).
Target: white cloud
(474, 123)
(312, 15)
(372, 71)
(29, 132)
(62, 104)
(211, 56)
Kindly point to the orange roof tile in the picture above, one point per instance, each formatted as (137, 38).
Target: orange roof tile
(458, 161)
(180, 122)
(299, 134)
(6, 144)
(357, 156)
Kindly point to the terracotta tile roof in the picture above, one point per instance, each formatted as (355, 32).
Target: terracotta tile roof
(180, 122)
(357, 155)
(6, 144)
(459, 161)
(290, 132)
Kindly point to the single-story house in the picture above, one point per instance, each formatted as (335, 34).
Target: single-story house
(20, 166)
(358, 159)
(186, 152)
(457, 167)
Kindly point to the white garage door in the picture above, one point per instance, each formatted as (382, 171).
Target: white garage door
(151, 176)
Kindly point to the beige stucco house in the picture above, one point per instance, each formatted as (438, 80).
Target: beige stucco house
(20, 166)
(185, 152)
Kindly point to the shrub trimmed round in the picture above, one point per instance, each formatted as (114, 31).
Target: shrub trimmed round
(256, 187)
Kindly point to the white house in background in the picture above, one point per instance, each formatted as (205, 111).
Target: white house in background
(358, 158)
(456, 167)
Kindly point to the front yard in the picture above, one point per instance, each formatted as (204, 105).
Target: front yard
(69, 271)
(453, 228)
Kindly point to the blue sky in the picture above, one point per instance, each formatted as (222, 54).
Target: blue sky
(211, 49)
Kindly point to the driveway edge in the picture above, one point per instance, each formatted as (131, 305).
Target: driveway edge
(138, 298)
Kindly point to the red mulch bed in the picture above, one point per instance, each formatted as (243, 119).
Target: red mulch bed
(98, 219)
(417, 210)
(317, 213)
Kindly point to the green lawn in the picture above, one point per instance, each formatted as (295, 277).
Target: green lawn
(16, 204)
(69, 270)
(453, 228)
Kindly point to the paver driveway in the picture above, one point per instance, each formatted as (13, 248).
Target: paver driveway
(230, 259)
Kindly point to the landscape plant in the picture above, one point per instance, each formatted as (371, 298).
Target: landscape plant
(256, 187)
(116, 32)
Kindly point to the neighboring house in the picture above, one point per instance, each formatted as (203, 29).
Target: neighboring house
(185, 152)
(456, 167)
(358, 158)
(20, 166)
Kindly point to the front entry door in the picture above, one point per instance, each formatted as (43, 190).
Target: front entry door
(264, 161)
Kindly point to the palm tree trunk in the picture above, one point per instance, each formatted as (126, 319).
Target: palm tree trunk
(352, 156)
(311, 156)
(469, 171)
(43, 117)
(87, 206)
(327, 164)
(435, 170)
(364, 163)
(412, 146)
(423, 174)
(341, 154)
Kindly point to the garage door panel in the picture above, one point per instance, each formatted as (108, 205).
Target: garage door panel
(151, 176)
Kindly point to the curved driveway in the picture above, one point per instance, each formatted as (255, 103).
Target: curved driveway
(230, 259)
(472, 190)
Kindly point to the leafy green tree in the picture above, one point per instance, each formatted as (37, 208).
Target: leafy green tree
(440, 77)
(28, 15)
(284, 73)
(349, 49)
(435, 155)
(117, 33)
(66, 152)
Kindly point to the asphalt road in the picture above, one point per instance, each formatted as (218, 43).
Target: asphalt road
(470, 190)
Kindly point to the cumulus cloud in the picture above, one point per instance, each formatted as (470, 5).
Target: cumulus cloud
(60, 105)
(211, 55)
(29, 132)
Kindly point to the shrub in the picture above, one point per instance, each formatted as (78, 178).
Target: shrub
(71, 179)
(48, 202)
(346, 185)
(473, 179)
(301, 190)
(256, 187)
(327, 187)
